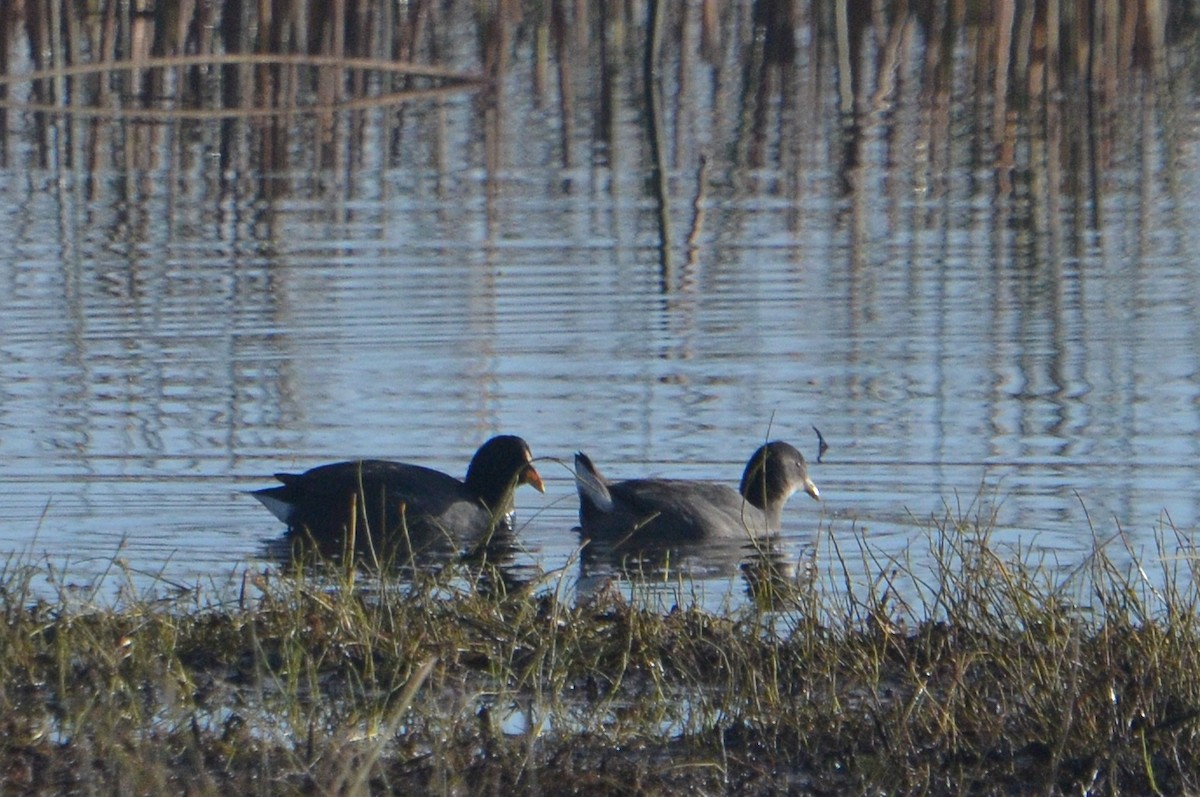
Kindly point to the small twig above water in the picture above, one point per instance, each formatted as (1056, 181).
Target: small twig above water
(822, 446)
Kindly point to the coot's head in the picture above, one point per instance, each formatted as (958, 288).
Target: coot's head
(499, 467)
(774, 472)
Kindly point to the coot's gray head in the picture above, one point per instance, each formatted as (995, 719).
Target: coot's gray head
(774, 472)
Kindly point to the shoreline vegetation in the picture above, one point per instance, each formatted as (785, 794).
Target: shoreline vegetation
(1000, 674)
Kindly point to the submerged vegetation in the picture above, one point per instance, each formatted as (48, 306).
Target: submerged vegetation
(990, 674)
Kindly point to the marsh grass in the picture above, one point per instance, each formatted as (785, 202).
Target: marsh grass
(989, 672)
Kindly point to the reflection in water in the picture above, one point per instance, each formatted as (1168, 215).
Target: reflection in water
(600, 557)
(956, 239)
(394, 552)
(490, 564)
(769, 573)
(651, 572)
(487, 569)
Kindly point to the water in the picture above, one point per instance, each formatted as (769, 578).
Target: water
(981, 304)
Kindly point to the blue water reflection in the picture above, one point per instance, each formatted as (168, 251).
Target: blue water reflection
(181, 317)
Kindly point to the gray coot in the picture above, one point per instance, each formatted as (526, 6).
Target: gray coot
(394, 498)
(677, 510)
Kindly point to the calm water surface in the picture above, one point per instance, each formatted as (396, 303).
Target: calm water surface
(986, 302)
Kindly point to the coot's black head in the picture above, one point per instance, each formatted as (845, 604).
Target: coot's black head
(776, 471)
(499, 467)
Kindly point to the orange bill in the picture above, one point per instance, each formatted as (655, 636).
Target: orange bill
(531, 477)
